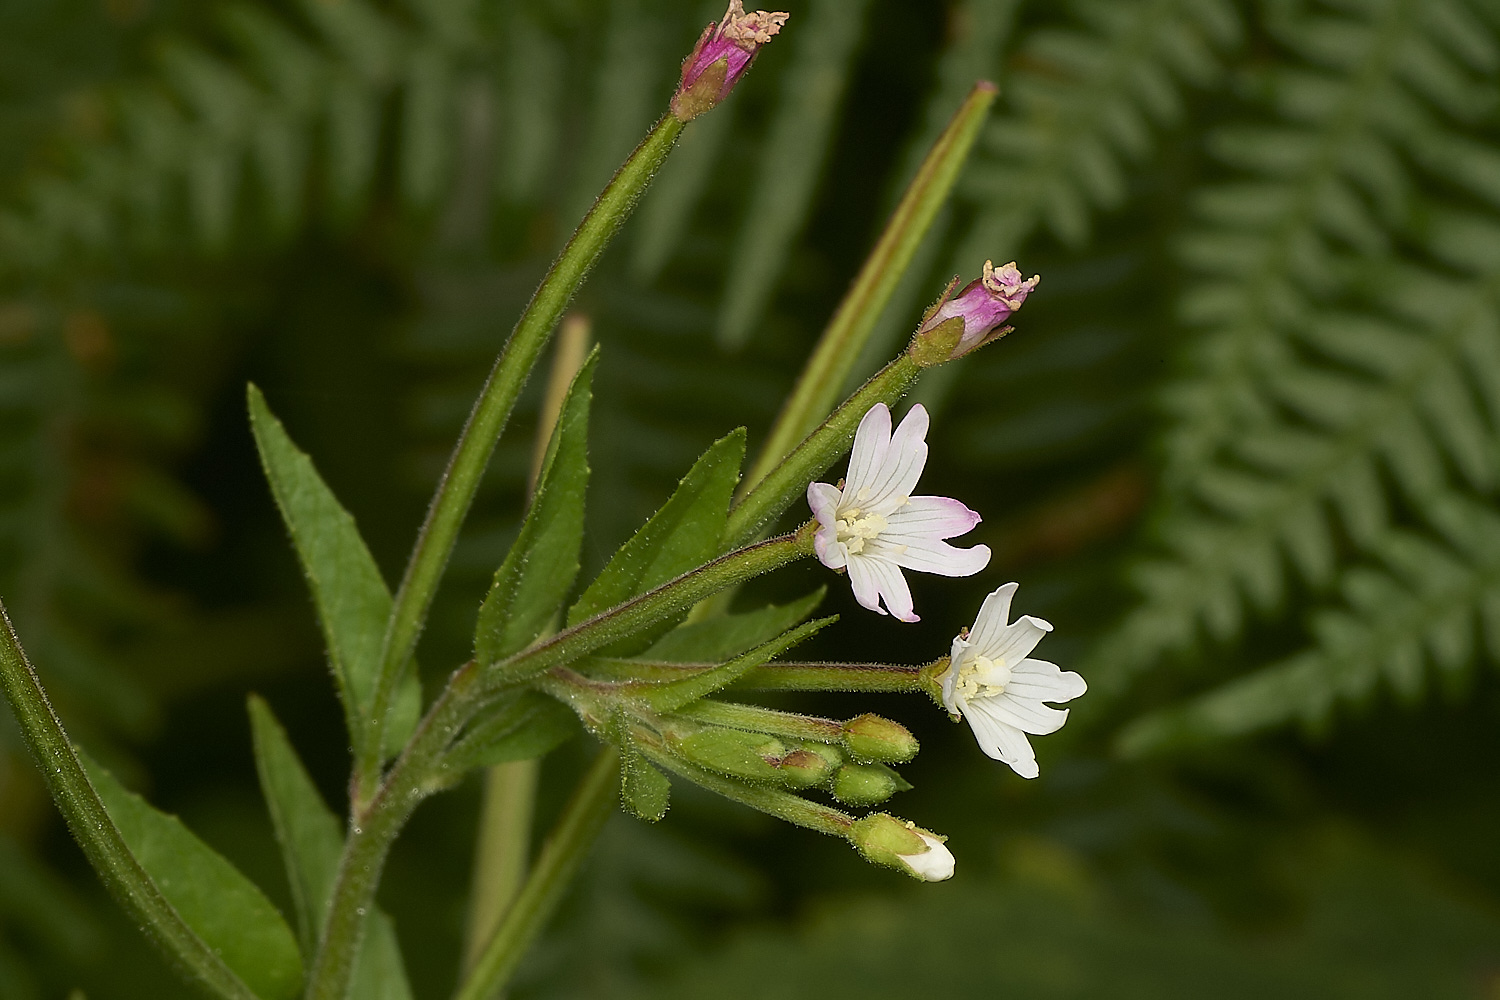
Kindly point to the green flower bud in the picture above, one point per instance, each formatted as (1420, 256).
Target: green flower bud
(804, 768)
(866, 784)
(902, 845)
(753, 756)
(871, 738)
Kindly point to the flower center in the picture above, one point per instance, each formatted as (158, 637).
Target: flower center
(982, 677)
(855, 526)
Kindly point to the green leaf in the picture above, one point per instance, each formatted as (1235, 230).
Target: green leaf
(352, 598)
(221, 905)
(644, 791)
(526, 726)
(672, 695)
(535, 577)
(684, 534)
(312, 842)
(719, 638)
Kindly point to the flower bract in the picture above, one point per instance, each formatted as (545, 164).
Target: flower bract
(992, 682)
(873, 527)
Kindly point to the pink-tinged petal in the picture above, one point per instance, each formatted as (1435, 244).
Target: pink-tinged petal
(931, 555)
(1028, 716)
(903, 465)
(993, 615)
(865, 585)
(930, 517)
(824, 501)
(891, 584)
(1043, 681)
(871, 442)
(831, 552)
(1001, 741)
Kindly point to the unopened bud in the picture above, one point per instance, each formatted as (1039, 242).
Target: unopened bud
(723, 53)
(871, 738)
(753, 756)
(866, 784)
(886, 840)
(804, 768)
(973, 317)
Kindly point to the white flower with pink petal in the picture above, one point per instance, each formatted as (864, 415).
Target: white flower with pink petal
(993, 684)
(873, 527)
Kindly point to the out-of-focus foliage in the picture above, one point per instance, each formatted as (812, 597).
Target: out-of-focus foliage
(1266, 333)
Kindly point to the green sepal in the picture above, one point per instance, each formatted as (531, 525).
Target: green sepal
(223, 907)
(645, 792)
(525, 725)
(540, 568)
(312, 843)
(351, 596)
(669, 696)
(724, 636)
(683, 535)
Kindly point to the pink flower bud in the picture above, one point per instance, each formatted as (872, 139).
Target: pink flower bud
(723, 53)
(983, 305)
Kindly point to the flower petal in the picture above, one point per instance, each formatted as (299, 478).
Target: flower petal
(1043, 681)
(887, 579)
(934, 556)
(824, 501)
(1000, 740)
(865, 583)
(1016, 641)
(902, 465)
(871, 443)
(1024, 714)
(831, 552)
(934, 864)
(929, 517)
(992, 617)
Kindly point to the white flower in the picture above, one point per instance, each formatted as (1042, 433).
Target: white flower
(874, 526)
(992, 683)
(934, 864)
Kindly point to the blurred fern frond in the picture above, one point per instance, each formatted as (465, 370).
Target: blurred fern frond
(1346, 371)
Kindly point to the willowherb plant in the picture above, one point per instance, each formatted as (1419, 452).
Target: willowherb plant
(638, 657)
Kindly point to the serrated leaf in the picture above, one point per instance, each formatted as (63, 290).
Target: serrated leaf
(351, 596)
(221, 905)
(717, 639)
(526, 726)
(683, 535)
(312, 841)
(532, 582)
(672, 695)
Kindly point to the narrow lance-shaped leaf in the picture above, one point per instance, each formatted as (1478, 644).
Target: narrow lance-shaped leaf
(719, 638)
(681, 536)
(673, 695)
(532, 582)
(222, 906)
(312, 842)
(351, 596)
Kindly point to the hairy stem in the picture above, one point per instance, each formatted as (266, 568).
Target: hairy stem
(450, 504)
(372, 830)
(558, 862)
(95, 831)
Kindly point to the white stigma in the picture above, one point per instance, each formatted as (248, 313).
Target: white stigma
(982, 677)
(855, 526)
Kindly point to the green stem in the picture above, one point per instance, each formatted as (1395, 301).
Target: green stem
(787, 482)
(501, 850)
(674, 597)
(823, 377)
(782, 676)
(96, 832)
(558, 862)
(755, 719)
(374, 828)
(450, 504)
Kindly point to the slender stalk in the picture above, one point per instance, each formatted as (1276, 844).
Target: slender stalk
(756, 719)
(558, 862)
(96, 832)
(372, 830)
(450, 504)
(787, 482)
(780, 676)
(823, 377)
(673, 597)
